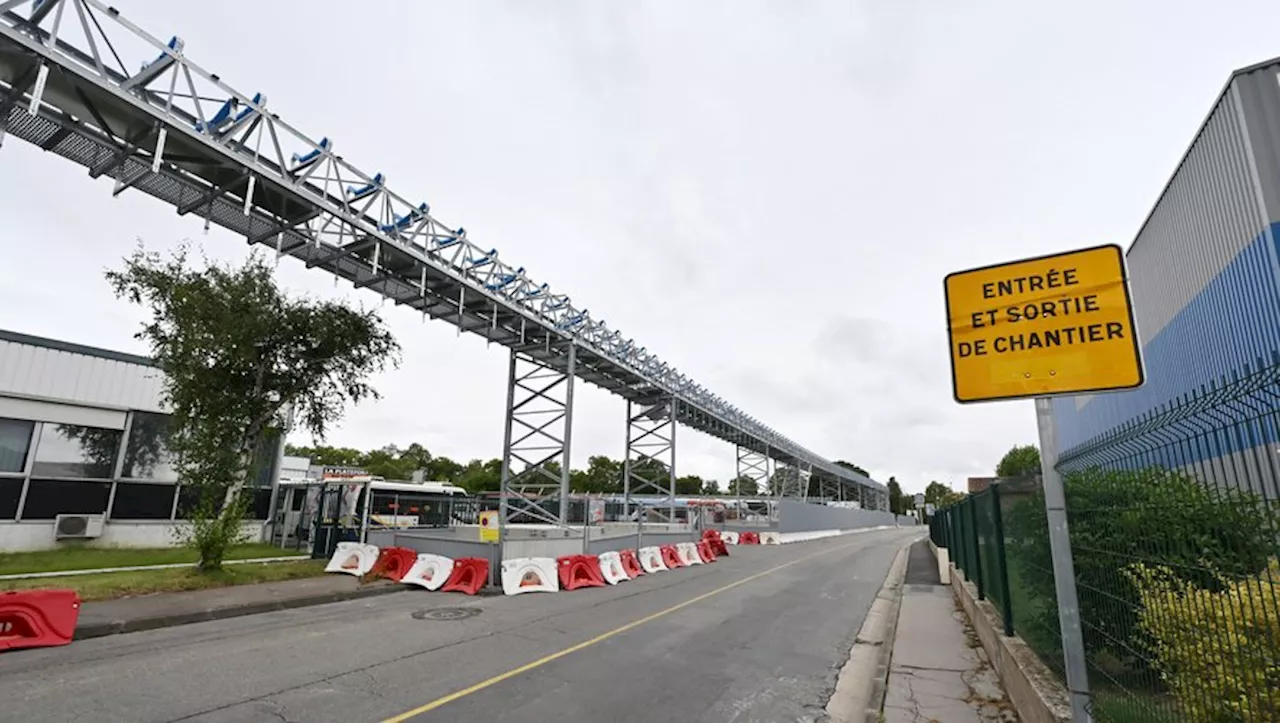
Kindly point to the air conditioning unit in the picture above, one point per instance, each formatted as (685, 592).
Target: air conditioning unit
(77, 526)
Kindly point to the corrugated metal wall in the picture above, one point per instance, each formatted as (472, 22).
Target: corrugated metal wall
(27, 370)
(1204, 269)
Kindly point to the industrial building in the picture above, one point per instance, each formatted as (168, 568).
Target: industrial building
(1205, 282)
(82, 452)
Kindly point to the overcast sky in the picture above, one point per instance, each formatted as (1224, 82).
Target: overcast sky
(767, 194)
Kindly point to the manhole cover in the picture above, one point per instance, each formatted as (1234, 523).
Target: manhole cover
(445, 613)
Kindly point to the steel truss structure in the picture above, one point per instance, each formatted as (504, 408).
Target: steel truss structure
(174, 131)
(649, 466)
(754, 466)
(537, 440)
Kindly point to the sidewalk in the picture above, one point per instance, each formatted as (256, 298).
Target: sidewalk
(938, 670)
(162, 610)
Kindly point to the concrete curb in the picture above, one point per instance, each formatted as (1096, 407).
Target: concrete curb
(861, 683)
(154, 622)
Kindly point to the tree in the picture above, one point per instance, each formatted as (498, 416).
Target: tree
(853, 467)
(744, 485)
(710, 487)
(940, 495)
(237, 353)
(1020, 461)
(896, 504)
(602, 475)
(688, 485)
(328, 456)
(480, 476)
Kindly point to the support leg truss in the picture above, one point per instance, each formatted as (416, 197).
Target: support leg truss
(792, 481)
(829, 488)
(649, 467)
(535, 455)
(753, 467)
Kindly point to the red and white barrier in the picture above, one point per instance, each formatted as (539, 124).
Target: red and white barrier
(688, 552)
(429, 571)
(770, 538)
(611, 568)
(730, 537)
(651, 560)
(529, 574)
(353, 558)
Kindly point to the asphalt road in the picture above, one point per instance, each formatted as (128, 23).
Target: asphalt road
(759, 636)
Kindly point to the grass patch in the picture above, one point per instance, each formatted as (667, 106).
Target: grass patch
(79, 557)
(113, 585)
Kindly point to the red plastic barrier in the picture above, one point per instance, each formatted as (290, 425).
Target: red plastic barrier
(749, 538)
(671, 557)
(393, 563)
(38, 618)
(711, 534)
(719, 547)
(580, 571)
(705, 552)
(468, 576)
(630, 564)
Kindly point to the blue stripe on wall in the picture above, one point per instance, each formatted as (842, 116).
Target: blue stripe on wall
(1231, 327)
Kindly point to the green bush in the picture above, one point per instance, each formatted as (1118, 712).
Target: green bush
(1121, 518)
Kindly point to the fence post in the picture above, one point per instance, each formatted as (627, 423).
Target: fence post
(1002, 562)
(972, 504)
(1064, 573)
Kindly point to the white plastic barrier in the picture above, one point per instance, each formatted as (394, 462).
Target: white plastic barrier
(769, 538)
(730, 537)
(651, 559)
(688, 553)
(429, 571)
(529, 574)
(352, 558)
(611, 568)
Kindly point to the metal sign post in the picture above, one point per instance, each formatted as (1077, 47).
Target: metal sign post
(1064, 572)
(1054, 325)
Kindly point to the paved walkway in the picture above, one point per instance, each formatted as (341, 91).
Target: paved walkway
(939, 671)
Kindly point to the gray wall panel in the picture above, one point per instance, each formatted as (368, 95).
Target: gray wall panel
(804, 517)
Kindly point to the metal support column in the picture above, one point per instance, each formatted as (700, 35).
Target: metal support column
(752, 466)
(790, 482)
(649, 466)
(535, 455)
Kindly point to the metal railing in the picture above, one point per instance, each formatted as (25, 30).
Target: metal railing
(1175, 533)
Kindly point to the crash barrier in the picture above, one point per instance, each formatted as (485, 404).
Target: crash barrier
(577, 571)
(352, 558)
(429, 571)
(688, 553)
(612, 569)
(651, 560)
(786, 538)
(670, 556)
(631, 564)
(717, 544)
(393, 563)
(468, 576)
(529, 574)
(38, 618)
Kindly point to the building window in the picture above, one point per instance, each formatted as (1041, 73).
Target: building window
(15, 440)
(71, 450)
(10, 495)
(46, 499)
(146, 456)
(140, 501)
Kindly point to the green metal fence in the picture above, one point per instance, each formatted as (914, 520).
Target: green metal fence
(1175, 532)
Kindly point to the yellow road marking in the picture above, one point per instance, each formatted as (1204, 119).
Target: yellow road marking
(445, 700)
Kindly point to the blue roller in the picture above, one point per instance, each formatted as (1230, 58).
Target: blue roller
(308, 159)
(403, 222)
(355, 193)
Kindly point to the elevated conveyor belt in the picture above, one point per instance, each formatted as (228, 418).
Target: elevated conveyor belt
(81, 81)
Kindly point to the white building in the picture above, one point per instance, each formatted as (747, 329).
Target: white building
(81, 434)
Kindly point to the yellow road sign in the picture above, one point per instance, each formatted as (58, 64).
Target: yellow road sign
(489, 526)
(1060, 324)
